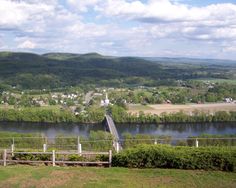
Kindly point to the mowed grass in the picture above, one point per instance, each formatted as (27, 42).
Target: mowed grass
(42, 176)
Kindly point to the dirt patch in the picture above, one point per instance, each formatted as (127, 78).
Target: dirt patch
(188, 108)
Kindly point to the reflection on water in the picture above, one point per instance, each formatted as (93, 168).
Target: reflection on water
(174, 130)
(179, 130)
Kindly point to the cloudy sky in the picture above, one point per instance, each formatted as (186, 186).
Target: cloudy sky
(172, 28)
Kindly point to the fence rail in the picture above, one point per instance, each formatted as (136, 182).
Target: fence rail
(9, 157)
(73, 151)
(74, 144)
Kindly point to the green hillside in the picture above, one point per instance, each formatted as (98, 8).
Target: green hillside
(33, 71)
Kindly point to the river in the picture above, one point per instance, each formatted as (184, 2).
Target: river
(173, 130)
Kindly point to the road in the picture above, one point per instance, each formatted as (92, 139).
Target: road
(88, 97)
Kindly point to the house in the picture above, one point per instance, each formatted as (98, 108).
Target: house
(168, 102)
(228, 100)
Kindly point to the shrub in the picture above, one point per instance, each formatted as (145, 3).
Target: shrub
(181, 157)
(75, 158)
(31, 157)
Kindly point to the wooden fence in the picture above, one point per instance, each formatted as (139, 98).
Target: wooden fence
(8, 158)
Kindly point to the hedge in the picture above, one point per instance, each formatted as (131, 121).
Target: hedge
(165, 156)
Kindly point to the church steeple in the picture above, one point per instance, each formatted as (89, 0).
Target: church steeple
(107, 101)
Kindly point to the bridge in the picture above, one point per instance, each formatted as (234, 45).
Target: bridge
(112, 128)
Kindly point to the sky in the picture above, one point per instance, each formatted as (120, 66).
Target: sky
(150, 28)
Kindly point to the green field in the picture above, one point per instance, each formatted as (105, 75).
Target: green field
(49, 107)
(32, 176)
(212, 80)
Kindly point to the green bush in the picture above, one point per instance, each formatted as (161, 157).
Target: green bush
(32, 157)
(76, 158)
(164, 156)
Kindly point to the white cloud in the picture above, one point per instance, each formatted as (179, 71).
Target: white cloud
(82, 5)
(27, 45)
(119, 27)
(16, 13)
(80, 29)
(229, 49)
(167, 11)
(215, 21)
(107, 44)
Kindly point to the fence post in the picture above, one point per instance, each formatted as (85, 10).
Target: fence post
(117, 147)
(12, 150)
(155, 142)
(78, 145)
(196, 143)
(44, 148)
(13, 146)
(5, 158)
(110, 158)
(79, 149)
(53, 158)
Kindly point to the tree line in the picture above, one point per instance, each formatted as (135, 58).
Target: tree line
(119, 115)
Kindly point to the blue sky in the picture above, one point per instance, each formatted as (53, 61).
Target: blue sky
(170, 28)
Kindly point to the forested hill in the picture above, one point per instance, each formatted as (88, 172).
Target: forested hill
(33, 71)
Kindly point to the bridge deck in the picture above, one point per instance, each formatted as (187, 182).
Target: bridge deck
(112, 127)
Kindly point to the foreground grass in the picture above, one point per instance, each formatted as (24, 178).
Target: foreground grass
(42, 176)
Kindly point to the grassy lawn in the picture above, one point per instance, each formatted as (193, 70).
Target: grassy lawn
(41, 176)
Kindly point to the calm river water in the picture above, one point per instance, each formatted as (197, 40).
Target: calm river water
(174, 130)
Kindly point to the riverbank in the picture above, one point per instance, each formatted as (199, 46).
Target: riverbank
(119, 115)
(31, 176)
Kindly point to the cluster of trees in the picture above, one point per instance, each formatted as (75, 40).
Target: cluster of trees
(220, 91)
(177, 95)
(92, 115)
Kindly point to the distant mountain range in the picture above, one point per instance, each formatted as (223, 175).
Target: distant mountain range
(28, 70)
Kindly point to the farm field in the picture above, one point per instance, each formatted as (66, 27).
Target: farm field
(212, 80)
(41, 176)
(187, 108)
